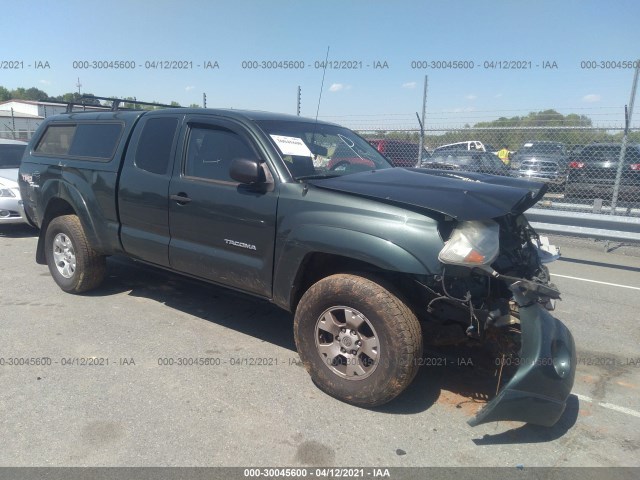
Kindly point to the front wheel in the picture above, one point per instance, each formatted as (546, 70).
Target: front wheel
(74, 265)
(359, 342)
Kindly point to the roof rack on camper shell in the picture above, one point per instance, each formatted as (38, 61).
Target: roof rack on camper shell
(115, 103)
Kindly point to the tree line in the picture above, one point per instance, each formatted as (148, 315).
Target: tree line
(546, 125)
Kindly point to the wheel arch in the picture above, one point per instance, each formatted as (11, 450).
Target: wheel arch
(66, 203)
(318, 265)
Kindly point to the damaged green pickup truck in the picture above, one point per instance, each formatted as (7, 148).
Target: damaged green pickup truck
(309, 216)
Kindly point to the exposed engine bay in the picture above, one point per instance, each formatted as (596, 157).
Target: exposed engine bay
(475, 305)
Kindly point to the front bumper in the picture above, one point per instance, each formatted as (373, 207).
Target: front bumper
(538, 391)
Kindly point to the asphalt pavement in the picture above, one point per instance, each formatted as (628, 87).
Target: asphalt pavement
(108, 390)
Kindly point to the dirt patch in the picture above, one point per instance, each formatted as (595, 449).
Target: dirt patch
(466, 404)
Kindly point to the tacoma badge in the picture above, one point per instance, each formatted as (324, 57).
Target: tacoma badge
(239, 244)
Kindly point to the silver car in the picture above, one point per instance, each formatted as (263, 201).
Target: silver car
(11, 210)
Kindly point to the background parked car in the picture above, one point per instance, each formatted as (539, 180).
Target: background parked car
(400, 152)
(11, 210)
(592, 172)
(481, 162)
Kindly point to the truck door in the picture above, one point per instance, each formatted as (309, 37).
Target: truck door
(220, 230)
(144, 187)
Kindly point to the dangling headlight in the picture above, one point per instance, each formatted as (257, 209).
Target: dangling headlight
(472, 243)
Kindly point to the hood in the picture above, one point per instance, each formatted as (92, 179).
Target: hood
(540, 156)
(461, 195)
(10, 174)
(527, 153)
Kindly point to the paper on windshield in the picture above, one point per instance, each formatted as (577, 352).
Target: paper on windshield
(292, 146)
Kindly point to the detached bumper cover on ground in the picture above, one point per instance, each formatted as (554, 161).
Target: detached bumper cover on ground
(538, 391)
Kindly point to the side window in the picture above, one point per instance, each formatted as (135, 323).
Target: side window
(92, 141)
(154, 146)
(211, 151)
(96, 140)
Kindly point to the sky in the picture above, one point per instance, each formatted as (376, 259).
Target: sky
(398, 37)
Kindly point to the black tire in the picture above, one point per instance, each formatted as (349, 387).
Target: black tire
(394, 326)
(89, 267)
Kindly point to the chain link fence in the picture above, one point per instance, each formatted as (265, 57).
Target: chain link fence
(22, 134)
(585, 167)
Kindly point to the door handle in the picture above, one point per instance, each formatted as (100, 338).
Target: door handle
(181, 198)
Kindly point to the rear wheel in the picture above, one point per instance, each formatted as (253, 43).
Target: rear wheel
(359, 342)
(74, 265)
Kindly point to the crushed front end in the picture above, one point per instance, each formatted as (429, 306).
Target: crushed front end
(494, 291)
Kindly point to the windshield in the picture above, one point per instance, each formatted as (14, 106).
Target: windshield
(10, 155)
(311, 150)
(548, 148)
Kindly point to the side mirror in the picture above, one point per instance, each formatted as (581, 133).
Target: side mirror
(247, 171)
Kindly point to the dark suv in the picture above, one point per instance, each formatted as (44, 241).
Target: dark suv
(542, 161)
(592, 172)
(400, 152)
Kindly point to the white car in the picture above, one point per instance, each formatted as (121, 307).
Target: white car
(11, 210)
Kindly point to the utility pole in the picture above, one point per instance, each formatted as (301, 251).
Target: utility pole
(78, 84)
(204, 100)
(299, 99)
(13, 123)
(424, 110)
(623, 148)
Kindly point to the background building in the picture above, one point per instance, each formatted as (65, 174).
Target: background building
(19, 119)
